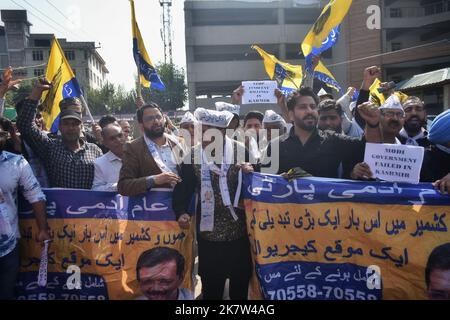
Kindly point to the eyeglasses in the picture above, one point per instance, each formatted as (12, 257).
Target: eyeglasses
(153, 118)
(392, 114)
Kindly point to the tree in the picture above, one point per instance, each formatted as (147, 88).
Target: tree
(175, 94)
(14, 96)
(110, 99)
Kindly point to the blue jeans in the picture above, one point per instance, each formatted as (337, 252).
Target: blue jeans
(9, 270)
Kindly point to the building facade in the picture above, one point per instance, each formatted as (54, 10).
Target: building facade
(219, 35)
(413, 38)
(19, 47)
(404, 37)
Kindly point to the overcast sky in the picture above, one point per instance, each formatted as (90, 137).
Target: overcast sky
(108, 22)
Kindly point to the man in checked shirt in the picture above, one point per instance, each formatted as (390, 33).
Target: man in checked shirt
(69, 160)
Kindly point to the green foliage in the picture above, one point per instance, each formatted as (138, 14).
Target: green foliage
(175, 94)
(112, 99)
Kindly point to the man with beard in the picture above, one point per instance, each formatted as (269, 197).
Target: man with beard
(330, 116)
(160, 273)
(413, 131)
(212, 172)
(151, 160)
(392, 120)
(318, 152)
(68, 160)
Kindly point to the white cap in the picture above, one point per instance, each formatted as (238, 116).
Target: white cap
(188, 118)
(271, 116)
(322, 93)
(220, 119)
(223, 106)
(393, 102)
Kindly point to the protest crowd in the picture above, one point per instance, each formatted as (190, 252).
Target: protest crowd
(312, 133)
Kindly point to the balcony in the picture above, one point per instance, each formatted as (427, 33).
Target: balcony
(416, 17)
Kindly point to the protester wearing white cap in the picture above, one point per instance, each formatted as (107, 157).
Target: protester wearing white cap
(234, 109)
(212, 173)
(323, 95)
(392, 119)
(188, 124)
(274, 121)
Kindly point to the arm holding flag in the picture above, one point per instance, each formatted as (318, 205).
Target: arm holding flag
(26, 112)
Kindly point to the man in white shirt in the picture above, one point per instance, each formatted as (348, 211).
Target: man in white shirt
(107, 167)
(15, 172)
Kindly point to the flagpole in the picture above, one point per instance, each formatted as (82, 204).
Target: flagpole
(138, 84)
(85, 105)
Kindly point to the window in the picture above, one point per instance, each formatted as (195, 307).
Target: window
(38, 55)
(87, 73)
(21, 73)
(70, 55)
(38, 72)
(396, 12)
(42, 43)
(396, 46)
(85, 55)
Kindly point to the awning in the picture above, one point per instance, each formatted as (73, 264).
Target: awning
(441, 76)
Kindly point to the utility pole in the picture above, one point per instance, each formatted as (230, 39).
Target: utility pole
(166, 30)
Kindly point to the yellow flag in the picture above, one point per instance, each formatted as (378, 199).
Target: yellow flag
(147, 73)
(325, 31)
(323, 74)
(65, 85)
(288, 76)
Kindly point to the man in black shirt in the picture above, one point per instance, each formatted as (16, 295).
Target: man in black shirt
(321, 152)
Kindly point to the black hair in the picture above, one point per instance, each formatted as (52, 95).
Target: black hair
(140, 111)
(328, 105)
(253, 115)
(157, 255)
(105, 120)
(439, 259)
(6, 124)
(294, 96)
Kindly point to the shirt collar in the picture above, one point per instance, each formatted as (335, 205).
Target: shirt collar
(112, 157)
(420, 135)
(149, 141)
(314, 135)
(5, 155)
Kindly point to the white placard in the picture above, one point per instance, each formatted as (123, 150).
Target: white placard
(259, 92)
(394, 162)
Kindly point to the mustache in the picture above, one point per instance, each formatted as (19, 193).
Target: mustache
(394, 122)
(309, 116)
(158, 293)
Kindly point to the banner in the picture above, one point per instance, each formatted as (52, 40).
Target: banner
(327, 239)
(101, 234)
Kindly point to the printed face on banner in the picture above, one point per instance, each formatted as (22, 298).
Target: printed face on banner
(160, 282)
